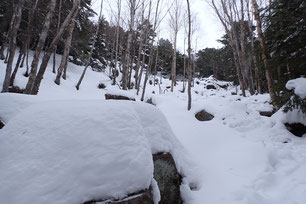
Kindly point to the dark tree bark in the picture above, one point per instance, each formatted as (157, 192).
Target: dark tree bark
(189, 57)
(65, 56)
(265, 54)
(132, 5)
(52, 47)
(39, 47)
(12, 47)
(91, 50)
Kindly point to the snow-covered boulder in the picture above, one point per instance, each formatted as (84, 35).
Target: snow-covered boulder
(73, 151)
(65, 152)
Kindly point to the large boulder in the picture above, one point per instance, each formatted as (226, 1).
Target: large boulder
(210, 86)
(168, 178)
(204, 116)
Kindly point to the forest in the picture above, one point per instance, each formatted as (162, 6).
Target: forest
(263, 45)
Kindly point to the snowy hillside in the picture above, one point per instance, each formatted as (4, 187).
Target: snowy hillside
(239, 157)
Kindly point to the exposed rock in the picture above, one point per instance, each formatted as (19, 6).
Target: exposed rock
(15, 89)
(118, 97)
(144, 197)
(204, 116)
(1, 124)
(168, 178)
(150, 101)
(101, 86)
(197, 82)
(210, 86)
(224, 86)
(267, 113)
(298, 129)
(233, 93)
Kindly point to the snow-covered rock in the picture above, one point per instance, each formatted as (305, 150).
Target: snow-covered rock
(73, 151)
(298, 85)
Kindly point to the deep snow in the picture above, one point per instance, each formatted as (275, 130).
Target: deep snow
(240, 157)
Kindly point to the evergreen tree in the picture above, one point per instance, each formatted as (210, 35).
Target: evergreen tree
(286, 37)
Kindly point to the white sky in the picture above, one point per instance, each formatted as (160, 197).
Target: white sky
(208, 26)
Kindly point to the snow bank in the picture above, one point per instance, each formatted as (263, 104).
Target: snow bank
(73, 151)
(298, 85)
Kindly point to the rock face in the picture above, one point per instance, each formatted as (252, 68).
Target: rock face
(297, 129)
(118, 97)
(204, 116)
(140, 198)
(168, 178)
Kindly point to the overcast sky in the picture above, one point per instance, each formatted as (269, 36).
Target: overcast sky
(208, 31)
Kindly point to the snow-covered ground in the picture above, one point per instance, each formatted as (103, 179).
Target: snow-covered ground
(240, 156)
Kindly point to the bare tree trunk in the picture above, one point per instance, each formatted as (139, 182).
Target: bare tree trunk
(65, 56)
(227, 22)
(39, 47)
(151, 50)
(91, 50)
(143, 39)
(16, 69)
(117, 42)
(58, 26)
(265, 54)
(257, 68)
(132, 5)
(156, 62)
(52, 47)
(175, 25)
(12, 48)
(189, 57)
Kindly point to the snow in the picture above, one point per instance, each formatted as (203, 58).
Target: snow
(298, 85)
(239, 157)
(72, 151)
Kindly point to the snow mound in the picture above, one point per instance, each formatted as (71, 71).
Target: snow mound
(298, 85)
(73, 151)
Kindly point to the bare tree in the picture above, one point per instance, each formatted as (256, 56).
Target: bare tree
(132, 4)
(92, 47)
(189, 71)
(175, 24)
(115, 70)
(256, 65)
(65, 57)
(265, 54)
(224, 11)
(26, 38)
(39, 47)
(155, 26)
(52, 47)
(12, 43)
(58, 26)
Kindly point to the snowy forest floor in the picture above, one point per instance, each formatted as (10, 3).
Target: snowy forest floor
(242, 157)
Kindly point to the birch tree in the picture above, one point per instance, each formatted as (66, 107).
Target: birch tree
(189, 70)
(91, 49)
(175, 24)
(264, 52)
(39, 47)
(52, 46)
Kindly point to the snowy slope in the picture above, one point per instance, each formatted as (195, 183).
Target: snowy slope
(241, 157)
